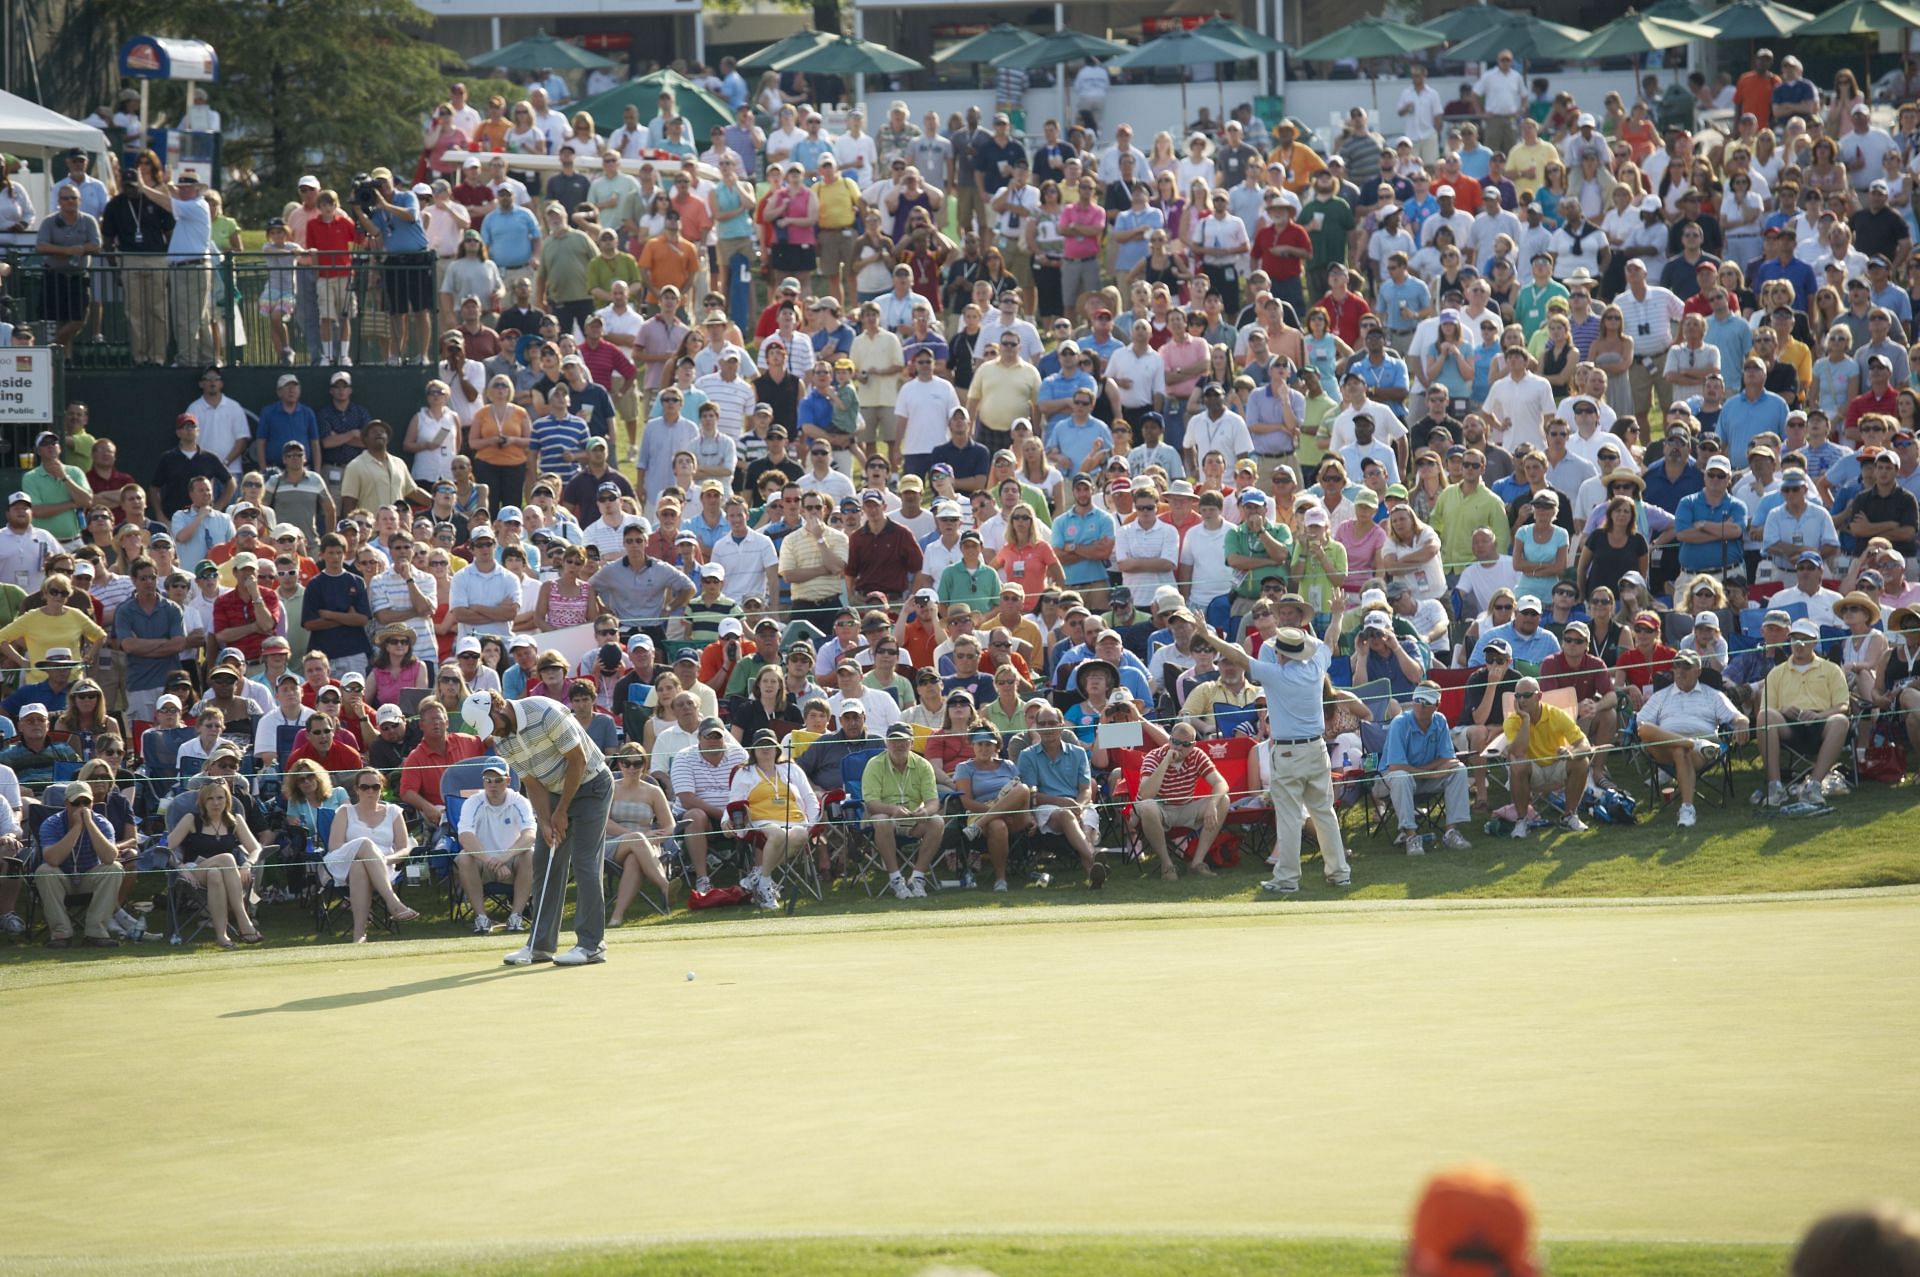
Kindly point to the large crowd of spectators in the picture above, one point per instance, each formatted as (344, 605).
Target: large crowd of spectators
(1557, 442)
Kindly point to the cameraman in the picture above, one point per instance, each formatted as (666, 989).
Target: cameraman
(391, 219)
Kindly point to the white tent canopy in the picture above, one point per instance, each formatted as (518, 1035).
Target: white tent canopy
(27, 128)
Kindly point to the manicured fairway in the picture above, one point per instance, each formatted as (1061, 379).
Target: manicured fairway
(1686, 1072)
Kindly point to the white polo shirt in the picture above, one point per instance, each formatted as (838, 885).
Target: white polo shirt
(496, 825)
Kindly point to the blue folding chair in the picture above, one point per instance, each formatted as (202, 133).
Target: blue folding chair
(1221, 619)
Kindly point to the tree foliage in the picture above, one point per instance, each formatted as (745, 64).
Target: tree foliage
(324, 86)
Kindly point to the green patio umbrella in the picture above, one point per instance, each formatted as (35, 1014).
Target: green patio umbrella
(1002, 37)
(1060, 47)
(763, 59)
(1370, 38)
(540, 51)
(1469, 19)
(1526, 35)
(700, 109)
(1227, 31)
(1632, 34)
(844, 55)
(1178, 48)
(1680, 10)
(1863, 17)
(1755, 20)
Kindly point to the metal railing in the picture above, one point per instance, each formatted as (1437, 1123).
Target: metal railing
(136, 313)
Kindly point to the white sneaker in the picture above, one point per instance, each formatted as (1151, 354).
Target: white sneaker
(526, 955)
(765, 894)
(1835, 786)
(12, 924)
(1776, 794)
(1456, 841)
(898, 885)
(1279, 888)
(344, 361)
(917, 887)
(1000, 885)
(703, 885)
(1573, 824)
(1686, 818)
(129, 926)
(1416, 845)
(483, 925)
(516, 923)
(1521, 829)
(581, 956)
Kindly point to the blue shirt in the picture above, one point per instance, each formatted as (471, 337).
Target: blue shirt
(54, 828)
(1133, 252)
(1074, 441)
(709, 534)
(1293, 691)
(280, 427)
(1742, 418)
(1897, 301)
(1705, 555)
(166, 621)
(510, 235)
(1415, 294)
(1076, 529)
(1795, 272)
(1668, 493)
(345, 592)
(1734, 340)
(1476, 163)
(1061, 777)
(1408, 746)
(1532, 648)
(1057, 386)
(401, 235)
(557, 438)
(215, 529)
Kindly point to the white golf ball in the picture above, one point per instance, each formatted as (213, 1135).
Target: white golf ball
(689, 975)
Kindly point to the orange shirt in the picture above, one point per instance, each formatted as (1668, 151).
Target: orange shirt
(1301, 164)
(665, 263)
(1753, 94)
(695, 218)
(515, 425)
(491, 135)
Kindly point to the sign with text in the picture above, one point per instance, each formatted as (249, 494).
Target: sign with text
(26, 385)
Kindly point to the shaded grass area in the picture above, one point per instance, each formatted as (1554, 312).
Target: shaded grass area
(1088, 1256)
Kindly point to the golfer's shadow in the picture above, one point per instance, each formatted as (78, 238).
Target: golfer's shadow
(366, 997)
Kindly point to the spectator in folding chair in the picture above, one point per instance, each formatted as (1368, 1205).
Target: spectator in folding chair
(1680, 725)
(902, 798)
(1419, 759)
(496, 845)
(369, 837)
(1804, 699)
(211, 840)
(1545, 749)
(1575, 666)
(78, 856)
(1180, 788)
(702, 779)
(997, 804)
(781, 811)
(1060, 774)
(639, 819)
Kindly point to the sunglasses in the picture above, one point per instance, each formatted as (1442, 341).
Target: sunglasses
(635, 763)
(368, 789)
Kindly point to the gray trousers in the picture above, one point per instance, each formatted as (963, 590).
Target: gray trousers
(1403, 786)
(306, 313)
(581, 849)
(1076, 278)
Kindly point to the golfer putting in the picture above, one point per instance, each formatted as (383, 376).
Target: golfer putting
(568, 782)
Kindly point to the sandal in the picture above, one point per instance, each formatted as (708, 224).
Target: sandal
(1200, 867)
(1169, 874)
(226, 942)
(255, 938)
(406, 916)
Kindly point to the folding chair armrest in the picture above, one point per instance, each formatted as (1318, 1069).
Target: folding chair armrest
(736, 817)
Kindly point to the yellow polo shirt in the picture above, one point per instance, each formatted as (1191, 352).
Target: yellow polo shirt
(1555, 728)
(1820, 688)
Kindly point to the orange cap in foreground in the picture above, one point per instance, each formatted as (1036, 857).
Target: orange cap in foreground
(1472, 1221)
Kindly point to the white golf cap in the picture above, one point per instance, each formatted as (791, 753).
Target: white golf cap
(477, 710)
(390, 713)
(306, 180)
(468, 646)
(730, 627)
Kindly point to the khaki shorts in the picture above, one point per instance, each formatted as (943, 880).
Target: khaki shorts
(1188, 815)
(1019, 264)
(876, 425)
(626, 405)
(836, 251)
(1548, 775)
(335, 295)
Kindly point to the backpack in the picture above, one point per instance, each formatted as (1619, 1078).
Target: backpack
(1223, 854)
(1610, 806)
(718, 898)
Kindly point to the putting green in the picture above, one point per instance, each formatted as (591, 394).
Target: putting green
(1659, 1072)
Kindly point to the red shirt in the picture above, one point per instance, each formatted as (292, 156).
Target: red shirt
(1753, 94)
(308, 693)
(885, 560)
(230, 610)
(339, 234)
(1590, 680)
(112, 483)
(603, 359)
(1185, 780)
(1860, 405)
(421, 772)
(1271, 237)
(1344, 316)
(1641, 670)
(343, 757)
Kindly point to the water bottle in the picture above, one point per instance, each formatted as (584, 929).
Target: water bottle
(415, 873)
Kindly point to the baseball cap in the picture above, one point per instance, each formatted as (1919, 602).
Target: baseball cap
(495, 765)
(711, 727)
(477, 710)
(390, 713)
(1803, 628)
(899, 730)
